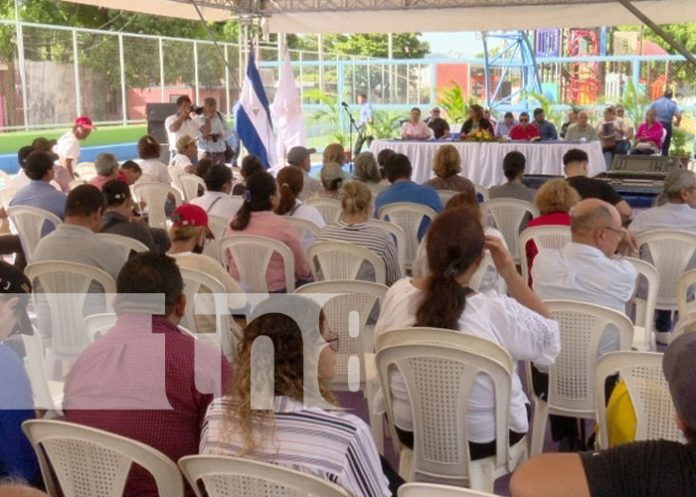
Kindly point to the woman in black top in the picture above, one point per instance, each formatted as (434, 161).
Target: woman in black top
(476, 122)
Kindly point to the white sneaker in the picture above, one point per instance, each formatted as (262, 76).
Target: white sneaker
(663, 337)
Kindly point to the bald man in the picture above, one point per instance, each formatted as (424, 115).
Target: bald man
(20, 491)
(581, 131)
(586, 270)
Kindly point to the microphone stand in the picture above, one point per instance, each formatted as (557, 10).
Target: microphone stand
(352, 126)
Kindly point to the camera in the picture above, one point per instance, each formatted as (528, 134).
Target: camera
(197, 110)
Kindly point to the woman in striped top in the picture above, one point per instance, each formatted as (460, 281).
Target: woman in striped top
(357, 206)
(297, 433)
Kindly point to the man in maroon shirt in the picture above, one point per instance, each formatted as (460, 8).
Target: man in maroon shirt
(145, 379)
(525, 131)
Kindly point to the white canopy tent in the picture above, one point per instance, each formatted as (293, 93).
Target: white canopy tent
(394, 16)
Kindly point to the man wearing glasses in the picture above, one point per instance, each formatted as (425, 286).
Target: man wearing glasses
(525, 131)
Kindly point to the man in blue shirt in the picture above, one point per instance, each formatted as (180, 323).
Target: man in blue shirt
(39, 192)
(398, 171)
(546, 129)
(668, 112)
(364, 122)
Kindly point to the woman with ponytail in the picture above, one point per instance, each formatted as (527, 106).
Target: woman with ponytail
(256, 217)
(520, 323)
(290, 181)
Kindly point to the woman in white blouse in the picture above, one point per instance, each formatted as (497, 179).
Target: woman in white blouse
(520, 323)
(149, 151)
(290, 181)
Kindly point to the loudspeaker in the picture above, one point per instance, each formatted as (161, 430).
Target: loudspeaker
(156, 114)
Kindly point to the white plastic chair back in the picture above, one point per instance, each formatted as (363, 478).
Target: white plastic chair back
(125, 243)
(684, 287)
(303, 226)
(222, 476)
(98, 324)
(329, 208)
(408, 216)
(217, 225)
(648, 390)
(5, 179)
(482, 191)
(189, 186)
(544, 237)
(347, 311)
(399, 237)
(434, 490)
(175, 176)
(571, 377)
(65, 287)
(86, 171)
(6, 196)
(48, 394)
(644, 306)
(28, 222)
(206, 295)
(439, 368)
(85, 462)
(155, 195)
(337, 260)
(445, 195)
(670, 251)
(508, 215)
(252, 254)
(477, 277)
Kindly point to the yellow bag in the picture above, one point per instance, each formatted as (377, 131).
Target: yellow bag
(621, 417)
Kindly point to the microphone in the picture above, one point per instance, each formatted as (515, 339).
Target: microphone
(344, 104)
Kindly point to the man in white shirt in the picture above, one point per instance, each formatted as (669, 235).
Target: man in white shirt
(212, 132)
(300, 157)
(216, 201)
(675, 211)
(587, 270)
(68, 150)
(181, 124)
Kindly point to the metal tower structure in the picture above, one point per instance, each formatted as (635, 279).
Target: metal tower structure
(516, 55)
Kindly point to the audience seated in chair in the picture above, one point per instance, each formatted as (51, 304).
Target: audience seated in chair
(256, 217)
(357, 208)
(298, 426)
(649, 136)
(366, 170)
(513, 168)
(216, 200)
(150, 151)
(250, 166)
(581, 131)
(655, 467)
(547, 131)
(332, 179)
(300, 157)
(554, 200)
(382, 158)
(187, 155)
(21, 179)
(503, 128)
(476, 122)
(106, 167)
(145, 379)
(290, 185)
(521, 323)
(675, 211)
(447, 164)
(414, 128)
(334, 153)
(440, 127)
(17, 458)
(130, 171)
(524, 130)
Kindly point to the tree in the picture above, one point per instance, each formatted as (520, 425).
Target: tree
(685, 34)
(405, 45)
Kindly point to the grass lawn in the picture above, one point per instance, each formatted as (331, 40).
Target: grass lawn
(12, 141)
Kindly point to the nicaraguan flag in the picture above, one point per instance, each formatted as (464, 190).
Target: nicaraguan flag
(253, 117)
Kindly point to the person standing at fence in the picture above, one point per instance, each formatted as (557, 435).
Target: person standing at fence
(182, 123)
(364, 124)
(68, 150)
(668, 113)
(212, 133)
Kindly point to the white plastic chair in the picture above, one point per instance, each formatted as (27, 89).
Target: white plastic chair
(86, 171)
(439, 368)
(5, 179)
(508, 215)
(96, 325)
(6, 196)
(648, 390)
(329, 208)
(125, 243)
(252, 254)
(222, 476)
(408, 216)
(64, 290)
(189, 186)
(85, 462)
(348, 306)
(644, 306)
(303, 226)
(155, 195)
(433, 490)
(544, 237)
(670, 251)
(399, 238)
(217, 225)
(48, 394)
(482, 191)
(29, 222)
(571, 377)
(337, 260)
(445, 195)
(174, 175)
(684, 284)
(206, 295)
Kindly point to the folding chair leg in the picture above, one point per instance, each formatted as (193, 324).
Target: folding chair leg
(541, 414)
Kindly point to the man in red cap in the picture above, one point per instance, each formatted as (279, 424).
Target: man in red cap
(68, 150)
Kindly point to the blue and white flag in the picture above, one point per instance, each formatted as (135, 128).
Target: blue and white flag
(253, 118)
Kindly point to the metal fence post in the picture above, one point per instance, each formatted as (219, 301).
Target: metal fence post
(122, 64)
(161, 65)
(76, 65)
(19, 31)
(635, 66)
(195, 70)
(227, 81)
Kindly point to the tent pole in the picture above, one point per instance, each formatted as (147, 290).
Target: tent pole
(658, 30)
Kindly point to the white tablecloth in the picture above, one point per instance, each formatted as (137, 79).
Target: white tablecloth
(482, 163)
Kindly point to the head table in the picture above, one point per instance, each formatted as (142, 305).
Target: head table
(482, 162)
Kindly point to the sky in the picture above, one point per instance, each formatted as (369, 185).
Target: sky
(466, 44)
